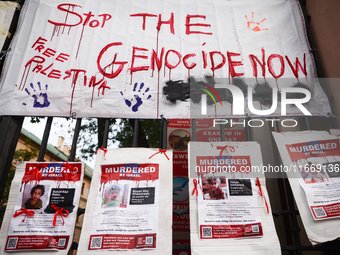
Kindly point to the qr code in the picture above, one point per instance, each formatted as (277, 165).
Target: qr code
(12, 243)
(149, 240)
(255, 228)
(206, 232)
(96, 242)
(319, 212)
(62, 242)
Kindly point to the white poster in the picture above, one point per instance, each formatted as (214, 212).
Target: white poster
(313, 158)
(134, 59)
(130, 203)
(126, 213)
(42, 215)
(229, 205)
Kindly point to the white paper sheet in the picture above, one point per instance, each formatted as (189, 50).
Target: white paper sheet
(268, 243)
(159, 226)
(42, 230)
(322, 230)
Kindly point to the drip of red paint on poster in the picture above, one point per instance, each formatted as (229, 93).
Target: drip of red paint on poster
(25, 211)
(34, 172)
(22, 185)
(67, 166)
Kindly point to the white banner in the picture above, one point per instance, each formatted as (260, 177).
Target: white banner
(129, 208)
(313, 158)
(227, 202)
(42, 207)
(133, 59)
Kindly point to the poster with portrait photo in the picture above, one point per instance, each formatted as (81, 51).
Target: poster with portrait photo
(42, 207)
(314, 160)
(318, 162)
(126, 209)
(226, 209)
(129, 209)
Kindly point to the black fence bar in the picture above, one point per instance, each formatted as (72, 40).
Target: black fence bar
(222, 133)
(135, 133)
(193, 128)
(106, 133)
(74, 141)
(163, 140)
(295, 227)
(306, 123)
(248, 131)
(44, 140)
(10, 128)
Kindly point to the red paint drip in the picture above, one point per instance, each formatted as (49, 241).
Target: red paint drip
(158, 75)
(66, 18)
(277, 85)
(306, 80)
(22, 185)
(81, 37)
(74, 81)
(92, 96)
(58, 30)
(23, 75)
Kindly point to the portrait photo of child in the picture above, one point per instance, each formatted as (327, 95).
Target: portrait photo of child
(34, 197)
(114, 195)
